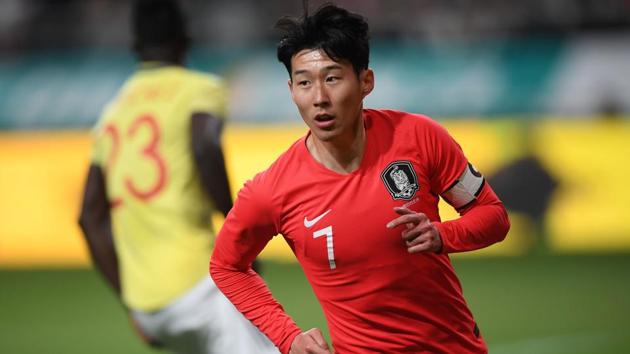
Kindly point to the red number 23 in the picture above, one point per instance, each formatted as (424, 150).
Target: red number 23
(149, 151)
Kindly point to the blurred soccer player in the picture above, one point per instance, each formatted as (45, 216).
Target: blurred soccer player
(156, 175)
(357, 201)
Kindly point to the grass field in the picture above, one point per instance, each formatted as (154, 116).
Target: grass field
(542, 305)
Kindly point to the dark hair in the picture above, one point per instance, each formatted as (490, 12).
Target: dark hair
(158, 23)
(341, 34)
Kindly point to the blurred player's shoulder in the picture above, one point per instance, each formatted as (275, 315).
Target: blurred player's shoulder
(207, 92)
(204, 78)
(165, 85)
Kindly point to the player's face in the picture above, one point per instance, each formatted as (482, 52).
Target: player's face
(328, 94)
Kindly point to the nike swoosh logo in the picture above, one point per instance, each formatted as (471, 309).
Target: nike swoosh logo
(309, 223)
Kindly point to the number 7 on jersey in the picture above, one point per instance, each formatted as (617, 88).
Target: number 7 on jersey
(327, 231)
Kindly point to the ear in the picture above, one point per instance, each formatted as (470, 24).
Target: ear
(367, 82)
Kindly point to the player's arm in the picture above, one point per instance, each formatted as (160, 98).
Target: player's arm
(483, 219)
(205, 130)
(95, 221)
(247, 229)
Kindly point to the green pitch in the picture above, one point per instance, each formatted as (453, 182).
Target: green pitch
(543, 305)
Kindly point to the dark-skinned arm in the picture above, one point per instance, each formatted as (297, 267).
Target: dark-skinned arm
(205, 133)
(95, 221)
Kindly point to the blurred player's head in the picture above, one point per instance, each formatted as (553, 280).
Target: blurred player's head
(159, 31)
(341, 34)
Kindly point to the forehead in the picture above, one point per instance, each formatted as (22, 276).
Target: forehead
(315, 59)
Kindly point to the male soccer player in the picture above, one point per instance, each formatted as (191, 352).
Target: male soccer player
(156, 175)
(357, 201)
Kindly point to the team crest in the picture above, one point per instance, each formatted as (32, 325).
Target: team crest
(400, 179)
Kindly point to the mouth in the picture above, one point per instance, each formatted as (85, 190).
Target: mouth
(324, 121)
(323, 117)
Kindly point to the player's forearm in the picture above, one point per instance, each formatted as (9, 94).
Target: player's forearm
(215, 179)
(482, 225)
(100, 243)
(95, 221)
(208, 155)
(251, 296)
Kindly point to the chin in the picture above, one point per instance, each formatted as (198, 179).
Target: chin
(324, 135)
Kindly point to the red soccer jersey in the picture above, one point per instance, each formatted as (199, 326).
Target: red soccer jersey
(376, 296)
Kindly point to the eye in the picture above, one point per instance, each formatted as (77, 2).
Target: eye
(332, 79)
(303, 83)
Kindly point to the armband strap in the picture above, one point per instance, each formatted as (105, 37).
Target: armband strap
(465, 189)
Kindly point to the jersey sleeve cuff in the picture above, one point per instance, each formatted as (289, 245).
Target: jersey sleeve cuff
(447, 247)
(286, 346)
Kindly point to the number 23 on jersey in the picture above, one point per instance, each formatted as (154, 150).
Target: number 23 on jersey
(148, 152)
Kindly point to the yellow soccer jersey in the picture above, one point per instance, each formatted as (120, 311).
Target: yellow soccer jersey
(160, 214)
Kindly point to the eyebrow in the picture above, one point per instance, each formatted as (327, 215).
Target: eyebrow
(326, 68)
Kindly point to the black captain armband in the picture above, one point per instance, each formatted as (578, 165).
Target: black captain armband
(465, 189)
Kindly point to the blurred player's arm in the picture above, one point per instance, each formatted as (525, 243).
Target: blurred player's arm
(205, 133)
(95, 221)
(206, 130)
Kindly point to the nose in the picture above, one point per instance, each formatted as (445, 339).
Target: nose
(321, 98)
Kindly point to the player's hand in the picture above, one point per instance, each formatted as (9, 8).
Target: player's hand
(420, 235)
(310, 342)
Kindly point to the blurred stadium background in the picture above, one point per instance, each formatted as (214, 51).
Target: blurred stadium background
(537, 93)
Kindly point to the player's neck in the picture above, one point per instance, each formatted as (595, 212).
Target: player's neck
(342, 155)
(162, 56)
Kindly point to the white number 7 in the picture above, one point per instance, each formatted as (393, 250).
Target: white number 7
(327, 231)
